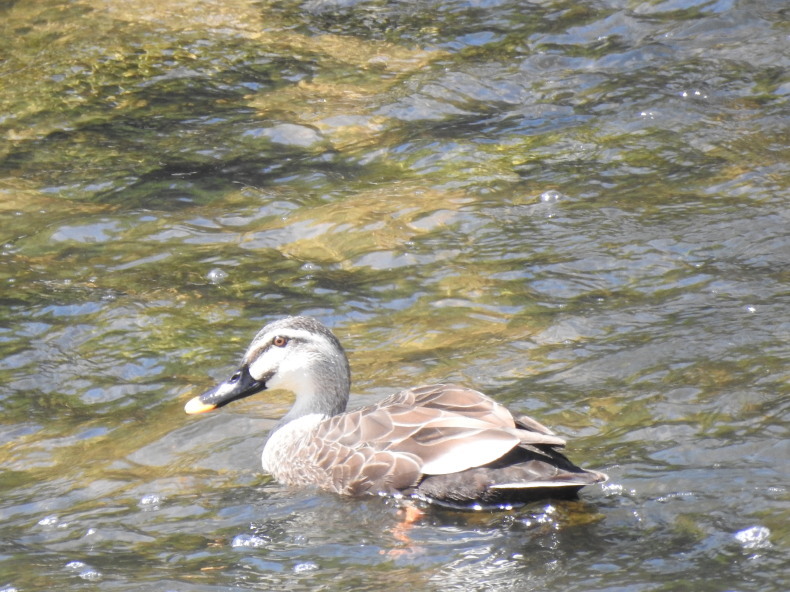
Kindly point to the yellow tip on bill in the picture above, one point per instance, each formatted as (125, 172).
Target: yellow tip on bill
(197, 406)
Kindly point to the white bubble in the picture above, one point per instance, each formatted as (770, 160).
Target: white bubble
(248, 540)
(216, 276)
(151, 501)
(550, 196)
(84, 571)
(754, 537)
(49, 521)
(304, 567)
(75, 565)
(694, 93)
(90, 574)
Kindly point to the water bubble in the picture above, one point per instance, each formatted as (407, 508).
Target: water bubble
(84, 571)
(49, 521)
(90, 574)
(304, 567)
(551, 196)
(151, 501)
(693, 93)
(216, 276)
(75, 565)
(754, 538)
(248, 540)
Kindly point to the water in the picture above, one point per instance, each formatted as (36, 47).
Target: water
(577, 207)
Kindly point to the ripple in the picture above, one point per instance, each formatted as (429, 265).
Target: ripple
(580, 207)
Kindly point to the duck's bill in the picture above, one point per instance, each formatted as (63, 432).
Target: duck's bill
(238, 386)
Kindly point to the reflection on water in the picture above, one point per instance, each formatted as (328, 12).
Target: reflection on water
(579, 208)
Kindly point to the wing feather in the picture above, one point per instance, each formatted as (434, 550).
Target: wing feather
(413, 434)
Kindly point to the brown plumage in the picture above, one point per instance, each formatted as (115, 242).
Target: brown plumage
(442, 443)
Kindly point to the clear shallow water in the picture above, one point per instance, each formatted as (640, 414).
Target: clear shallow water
(580, 208)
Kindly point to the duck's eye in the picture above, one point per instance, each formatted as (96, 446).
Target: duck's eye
(280, 341)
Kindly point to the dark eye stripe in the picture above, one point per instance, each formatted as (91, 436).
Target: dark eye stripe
(263, 346)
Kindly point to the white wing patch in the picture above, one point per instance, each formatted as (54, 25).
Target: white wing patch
(469, 452)
(528, 484)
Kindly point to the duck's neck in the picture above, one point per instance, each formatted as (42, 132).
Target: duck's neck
(321, 389)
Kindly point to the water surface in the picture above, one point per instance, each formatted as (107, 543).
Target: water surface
(579, 208)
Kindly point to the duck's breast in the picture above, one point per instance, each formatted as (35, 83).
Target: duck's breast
(284, 454)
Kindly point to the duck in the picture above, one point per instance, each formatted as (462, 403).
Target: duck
(441, 444)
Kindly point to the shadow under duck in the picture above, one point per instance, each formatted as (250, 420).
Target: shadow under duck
(441, 443)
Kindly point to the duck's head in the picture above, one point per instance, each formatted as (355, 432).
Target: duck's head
(298, 354)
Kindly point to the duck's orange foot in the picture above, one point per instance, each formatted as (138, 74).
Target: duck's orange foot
(408, 514)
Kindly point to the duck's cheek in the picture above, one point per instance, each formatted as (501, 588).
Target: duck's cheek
(288, 375)
(298, 380)
(266, 368)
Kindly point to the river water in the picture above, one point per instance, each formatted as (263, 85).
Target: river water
(579, 207)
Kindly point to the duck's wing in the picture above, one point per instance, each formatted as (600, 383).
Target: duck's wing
(530, 469)
(452, 398)
(430, 430)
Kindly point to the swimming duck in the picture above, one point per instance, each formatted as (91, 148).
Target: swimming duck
(441, 443)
